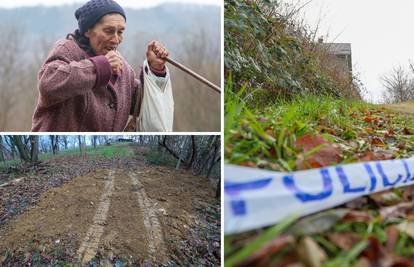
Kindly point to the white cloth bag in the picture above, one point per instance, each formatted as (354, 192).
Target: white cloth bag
(157, 108)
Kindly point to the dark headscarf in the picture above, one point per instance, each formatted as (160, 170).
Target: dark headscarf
(88, 15)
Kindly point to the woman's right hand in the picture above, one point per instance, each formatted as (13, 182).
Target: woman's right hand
(115, 59)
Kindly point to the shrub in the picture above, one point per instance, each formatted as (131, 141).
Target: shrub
(156, 157)
(270, 51)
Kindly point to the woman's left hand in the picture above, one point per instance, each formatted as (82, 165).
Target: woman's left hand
(156, 54)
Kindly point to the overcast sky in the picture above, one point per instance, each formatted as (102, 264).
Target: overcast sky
(126, 3)
(381, 33)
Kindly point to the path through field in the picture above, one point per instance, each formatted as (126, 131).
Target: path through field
(406, 108)
(144, 214)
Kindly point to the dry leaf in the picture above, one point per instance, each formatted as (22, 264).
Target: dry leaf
(392, 237)
(344, 241)
(374, 251)
(378, 155)
(386, 198)
(377, 141)
(407, 131)
(310, 253)
(248, 164)
(407, 227)
(397, 211)
(357, 216)
(328, 154)
(263, 255)
(362, 262)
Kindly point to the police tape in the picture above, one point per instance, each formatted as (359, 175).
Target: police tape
(255, 198)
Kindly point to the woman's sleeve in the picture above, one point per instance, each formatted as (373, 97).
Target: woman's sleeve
(61, 78)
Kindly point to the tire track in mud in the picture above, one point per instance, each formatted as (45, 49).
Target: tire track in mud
(89, 246)
(156, 248)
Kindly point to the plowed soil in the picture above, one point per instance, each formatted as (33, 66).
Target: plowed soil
(130, 213)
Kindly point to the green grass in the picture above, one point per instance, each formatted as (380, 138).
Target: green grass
(263, 135)
(247, 250)
(114, 150)
(156, 157)
(4, 165)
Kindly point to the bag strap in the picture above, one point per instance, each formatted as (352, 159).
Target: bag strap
(138, 102)
(131, 125)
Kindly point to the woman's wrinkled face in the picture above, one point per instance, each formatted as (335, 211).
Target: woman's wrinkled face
(107, 34)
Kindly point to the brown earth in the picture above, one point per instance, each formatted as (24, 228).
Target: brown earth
(164, 216)
(62, 214)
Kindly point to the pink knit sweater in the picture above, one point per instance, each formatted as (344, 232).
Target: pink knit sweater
(78, 93)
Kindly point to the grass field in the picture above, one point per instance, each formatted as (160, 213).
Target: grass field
(267, 137)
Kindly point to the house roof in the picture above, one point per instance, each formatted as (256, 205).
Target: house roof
(338, 48)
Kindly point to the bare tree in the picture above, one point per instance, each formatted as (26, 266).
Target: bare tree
(65, 141)
(9, 141)
(1, 149)
(10, 70)
(54, 141)
(202, 55)
(94, 139)
(193, 152)
(82, 145)
(399, 86)
(34, 150)
(204, 151)
(18, 141)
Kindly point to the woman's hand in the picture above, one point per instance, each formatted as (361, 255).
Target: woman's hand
(156, 54)
(115, 59)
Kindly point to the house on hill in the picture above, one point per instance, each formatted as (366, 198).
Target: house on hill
(342, 51)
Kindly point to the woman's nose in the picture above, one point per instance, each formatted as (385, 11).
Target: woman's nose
(116, 38)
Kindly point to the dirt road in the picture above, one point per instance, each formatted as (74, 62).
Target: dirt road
(146, 214)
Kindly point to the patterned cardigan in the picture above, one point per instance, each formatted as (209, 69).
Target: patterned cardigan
(78, 93)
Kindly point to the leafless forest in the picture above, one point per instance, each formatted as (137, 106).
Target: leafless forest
(197, 108)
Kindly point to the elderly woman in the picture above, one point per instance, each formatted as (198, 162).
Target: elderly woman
(85, 84)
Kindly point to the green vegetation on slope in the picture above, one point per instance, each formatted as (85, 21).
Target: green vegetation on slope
(286, 109)
(267, 137)
(272, 52)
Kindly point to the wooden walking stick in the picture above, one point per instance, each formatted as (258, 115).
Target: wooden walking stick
(195, 75)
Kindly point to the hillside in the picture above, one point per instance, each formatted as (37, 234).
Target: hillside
(57, 21)
(404, 108)
(289, 111)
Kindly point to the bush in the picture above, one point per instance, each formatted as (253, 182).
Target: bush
(270, 51)
(156, 157)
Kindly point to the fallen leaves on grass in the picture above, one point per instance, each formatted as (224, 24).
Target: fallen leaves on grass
(317, 152)
(397, 211)
(375, 230)
(345, 240)
(262, 256)
(371, 156)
